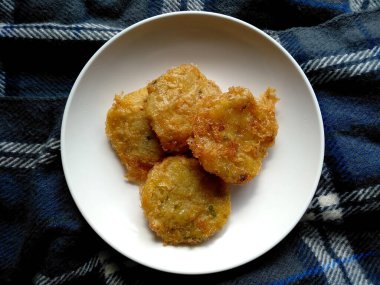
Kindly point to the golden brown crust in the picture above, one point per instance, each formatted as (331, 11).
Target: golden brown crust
(183, 203)
(172, 101)
(130, 134)
(232, 132)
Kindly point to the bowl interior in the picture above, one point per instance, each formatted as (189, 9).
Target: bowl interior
(231, 53)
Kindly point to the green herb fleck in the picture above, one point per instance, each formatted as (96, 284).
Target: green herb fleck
(211, 211)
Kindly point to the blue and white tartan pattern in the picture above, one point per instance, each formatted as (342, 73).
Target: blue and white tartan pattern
(43, 237)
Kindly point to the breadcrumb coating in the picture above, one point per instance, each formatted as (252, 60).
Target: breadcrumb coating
(232, 133)
(184, 205)
(130, 134)
(172, 101)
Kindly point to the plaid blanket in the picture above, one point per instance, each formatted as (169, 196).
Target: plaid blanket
(43, 46)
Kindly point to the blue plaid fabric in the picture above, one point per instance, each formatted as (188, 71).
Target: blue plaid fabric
(43, 46)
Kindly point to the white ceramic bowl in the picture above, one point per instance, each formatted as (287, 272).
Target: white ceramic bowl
(232, 53)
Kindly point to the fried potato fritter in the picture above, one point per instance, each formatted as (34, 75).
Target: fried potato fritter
(232, 132)
(183, 203)
(172, 102)
(129, 132)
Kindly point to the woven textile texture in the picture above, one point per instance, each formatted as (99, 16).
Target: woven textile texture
(43, 46)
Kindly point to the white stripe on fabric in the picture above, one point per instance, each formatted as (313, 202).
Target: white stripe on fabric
(362, 194)
(335, 215)
(332, 60)
(273, 35)
(342, 248)
(356, 5)
(370, 206)
(171, 6)
(43, 157)
(313, 240)
(58, 31)
(27, 163)
(7, 6)
(195, 5)
(373, 4)
(328, 200)
(40, 279)
(6, 161)
(332, 215)
(11, 147)
(326, 172)
(115, 280)
(14, 147)
(46, 157)
(346, 72)
(327, 185)
(341, 213)
(95, 26)
(359, 195)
